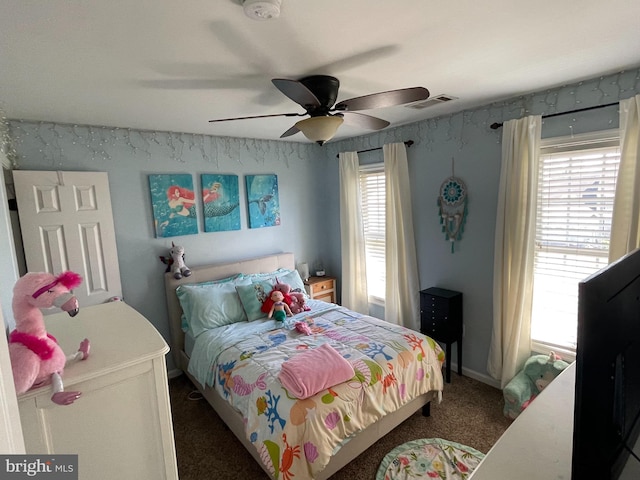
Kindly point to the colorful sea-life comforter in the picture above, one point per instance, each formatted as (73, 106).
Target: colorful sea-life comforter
(296, 438)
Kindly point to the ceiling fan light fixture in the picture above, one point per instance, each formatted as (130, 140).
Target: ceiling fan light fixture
(262, 9)
(320, 129)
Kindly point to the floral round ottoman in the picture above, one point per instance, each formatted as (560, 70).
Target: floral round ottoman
(429, 458)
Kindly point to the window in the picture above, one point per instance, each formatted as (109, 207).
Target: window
(575, 203)
(372, 190)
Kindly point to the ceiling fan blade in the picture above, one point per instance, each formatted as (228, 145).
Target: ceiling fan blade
(259, 116)
(297, 92)
(292, 131)
(364, 121)
(383, 99)
(204, 81)
(353, 61)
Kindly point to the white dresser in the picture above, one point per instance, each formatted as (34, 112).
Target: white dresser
(121, 426)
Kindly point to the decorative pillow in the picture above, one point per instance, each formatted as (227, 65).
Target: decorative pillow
(210, 305)
(294, 280)
(252, 296)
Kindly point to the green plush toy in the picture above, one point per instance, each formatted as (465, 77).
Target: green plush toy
(537, 373)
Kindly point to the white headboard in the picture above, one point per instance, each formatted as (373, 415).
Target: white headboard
(206, 273)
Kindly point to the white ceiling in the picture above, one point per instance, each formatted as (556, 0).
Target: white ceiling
(172, 65)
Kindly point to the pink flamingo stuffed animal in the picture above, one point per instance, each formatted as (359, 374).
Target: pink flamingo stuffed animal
(35, 354)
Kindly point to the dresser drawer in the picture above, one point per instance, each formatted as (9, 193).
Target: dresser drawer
(321, 288)
(435, 304)
(436, 326)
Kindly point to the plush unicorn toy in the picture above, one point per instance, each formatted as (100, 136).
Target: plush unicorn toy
(35, 354)
(178, 267)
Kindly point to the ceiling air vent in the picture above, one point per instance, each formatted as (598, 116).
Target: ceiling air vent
(438, 99)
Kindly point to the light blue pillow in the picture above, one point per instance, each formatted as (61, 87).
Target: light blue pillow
(186, 307)
(294, 280)
(212, 305)
(252, 296)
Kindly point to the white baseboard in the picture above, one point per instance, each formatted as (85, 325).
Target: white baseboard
(481, 377)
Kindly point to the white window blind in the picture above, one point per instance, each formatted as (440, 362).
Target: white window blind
(575, 204)
(372, 190)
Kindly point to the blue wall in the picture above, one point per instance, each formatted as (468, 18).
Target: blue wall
(309, 191)
(467, 138)
(130, 156)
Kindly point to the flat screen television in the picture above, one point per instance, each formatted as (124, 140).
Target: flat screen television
(607, 390)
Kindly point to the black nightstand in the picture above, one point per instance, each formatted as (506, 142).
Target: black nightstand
(441, 319)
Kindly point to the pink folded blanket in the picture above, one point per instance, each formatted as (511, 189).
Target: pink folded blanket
(310, 372)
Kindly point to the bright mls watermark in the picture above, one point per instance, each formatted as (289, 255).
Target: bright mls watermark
(50, 467)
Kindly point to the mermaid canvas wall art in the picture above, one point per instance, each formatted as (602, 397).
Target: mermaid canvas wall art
(263, 201)
(220, 202)
(173, 202)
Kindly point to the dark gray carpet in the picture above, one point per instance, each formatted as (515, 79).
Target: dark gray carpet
(470, 413)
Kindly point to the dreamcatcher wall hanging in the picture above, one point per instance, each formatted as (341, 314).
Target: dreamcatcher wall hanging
(453, 207)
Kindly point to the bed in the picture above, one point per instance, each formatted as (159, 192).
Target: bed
(235, 367)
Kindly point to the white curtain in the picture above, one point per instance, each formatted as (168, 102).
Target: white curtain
(625, 226)
(514, 248)
(402, 305)
(354, 269)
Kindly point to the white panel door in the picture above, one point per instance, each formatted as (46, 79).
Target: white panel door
(67, 224)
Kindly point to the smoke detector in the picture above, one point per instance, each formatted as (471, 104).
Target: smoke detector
(261, 9)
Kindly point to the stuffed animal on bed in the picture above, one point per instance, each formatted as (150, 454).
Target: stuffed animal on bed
(537, 373)
(279, 309)
(35, 355)
(296, 300)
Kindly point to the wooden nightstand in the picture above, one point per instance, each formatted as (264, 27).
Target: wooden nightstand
(441, 319)
(321, 288)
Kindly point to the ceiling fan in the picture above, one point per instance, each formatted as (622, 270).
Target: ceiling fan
(317, 94)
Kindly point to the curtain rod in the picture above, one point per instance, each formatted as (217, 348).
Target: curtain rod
(408, 143)
(495, 126)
